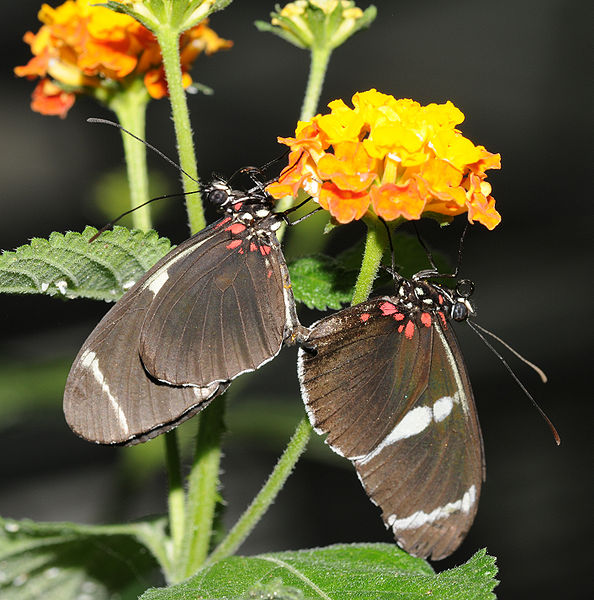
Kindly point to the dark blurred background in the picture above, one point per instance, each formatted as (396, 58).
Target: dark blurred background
(518, 71)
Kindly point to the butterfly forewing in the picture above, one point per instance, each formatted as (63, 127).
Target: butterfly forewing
(396, 400)
(219, 311)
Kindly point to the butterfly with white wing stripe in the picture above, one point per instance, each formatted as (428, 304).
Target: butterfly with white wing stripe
(386, 381)
(218, 305)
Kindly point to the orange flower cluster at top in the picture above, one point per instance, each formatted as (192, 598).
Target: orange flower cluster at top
(82, 47)
(395, 156)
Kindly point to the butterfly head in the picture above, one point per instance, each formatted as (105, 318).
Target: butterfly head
(219, 193)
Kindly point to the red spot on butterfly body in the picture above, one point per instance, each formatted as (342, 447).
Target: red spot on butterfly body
(236, 228)
(269, 275)
(223, 222)
(237, 206)
(440, 299)
(426, 319)
(265, 250)
(364, 317)
(253, 247)
(233, 244)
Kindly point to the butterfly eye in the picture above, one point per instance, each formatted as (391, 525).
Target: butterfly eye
(465, 288)
(217, 197)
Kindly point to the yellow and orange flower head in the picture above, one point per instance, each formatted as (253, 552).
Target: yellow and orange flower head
(395, 158)
(82, 48)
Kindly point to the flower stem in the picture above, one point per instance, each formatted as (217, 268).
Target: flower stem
(130, 109)
(169, 42)
(202, 489)
(375, 244)
(320, 57)
(176, 499)
(262, 502)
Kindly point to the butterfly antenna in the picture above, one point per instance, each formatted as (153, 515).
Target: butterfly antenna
(309, 214)
(112, 223)
(460, 248)
(260, 170)
(392, 251)
(156, 150)
(426, 249)
(274, 160)
(534, 367)
(478, 329)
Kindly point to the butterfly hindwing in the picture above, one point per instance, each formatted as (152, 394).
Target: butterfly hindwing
(395, 399)
(110, 398)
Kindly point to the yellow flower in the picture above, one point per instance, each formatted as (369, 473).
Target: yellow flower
(83, 47)
(393, 157)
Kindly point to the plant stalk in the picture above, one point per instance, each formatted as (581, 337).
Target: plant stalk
(169, 42)
(130, 109)
(266, 496)
(176, 500)
(320, 57)
(202, 492)
(375, 244)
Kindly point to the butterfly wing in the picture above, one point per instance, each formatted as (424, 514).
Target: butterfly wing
(220, 308)
(397, 402)
(109, 397)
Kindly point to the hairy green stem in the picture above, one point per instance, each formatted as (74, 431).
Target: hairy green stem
(176, 500)
(310, 229)
(320, 57)
(202, 489)
(375, 244)
(169, 42)
(130, 109)
(262, 502)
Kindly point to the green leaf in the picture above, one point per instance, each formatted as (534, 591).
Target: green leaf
(320, 282)
(323, 282)
(345, 572)
(410, 258)
(68, 265)
(64, 561)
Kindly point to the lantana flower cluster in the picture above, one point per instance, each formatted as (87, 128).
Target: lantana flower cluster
(394, 157)
(86, 48)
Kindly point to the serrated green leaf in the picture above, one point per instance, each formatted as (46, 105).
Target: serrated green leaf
(345, 572)
(320, 282)
(68, 265)
(65, 561)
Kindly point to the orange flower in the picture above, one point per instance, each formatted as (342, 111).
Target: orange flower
(394, 157)
(84, 48)
(50, 99)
